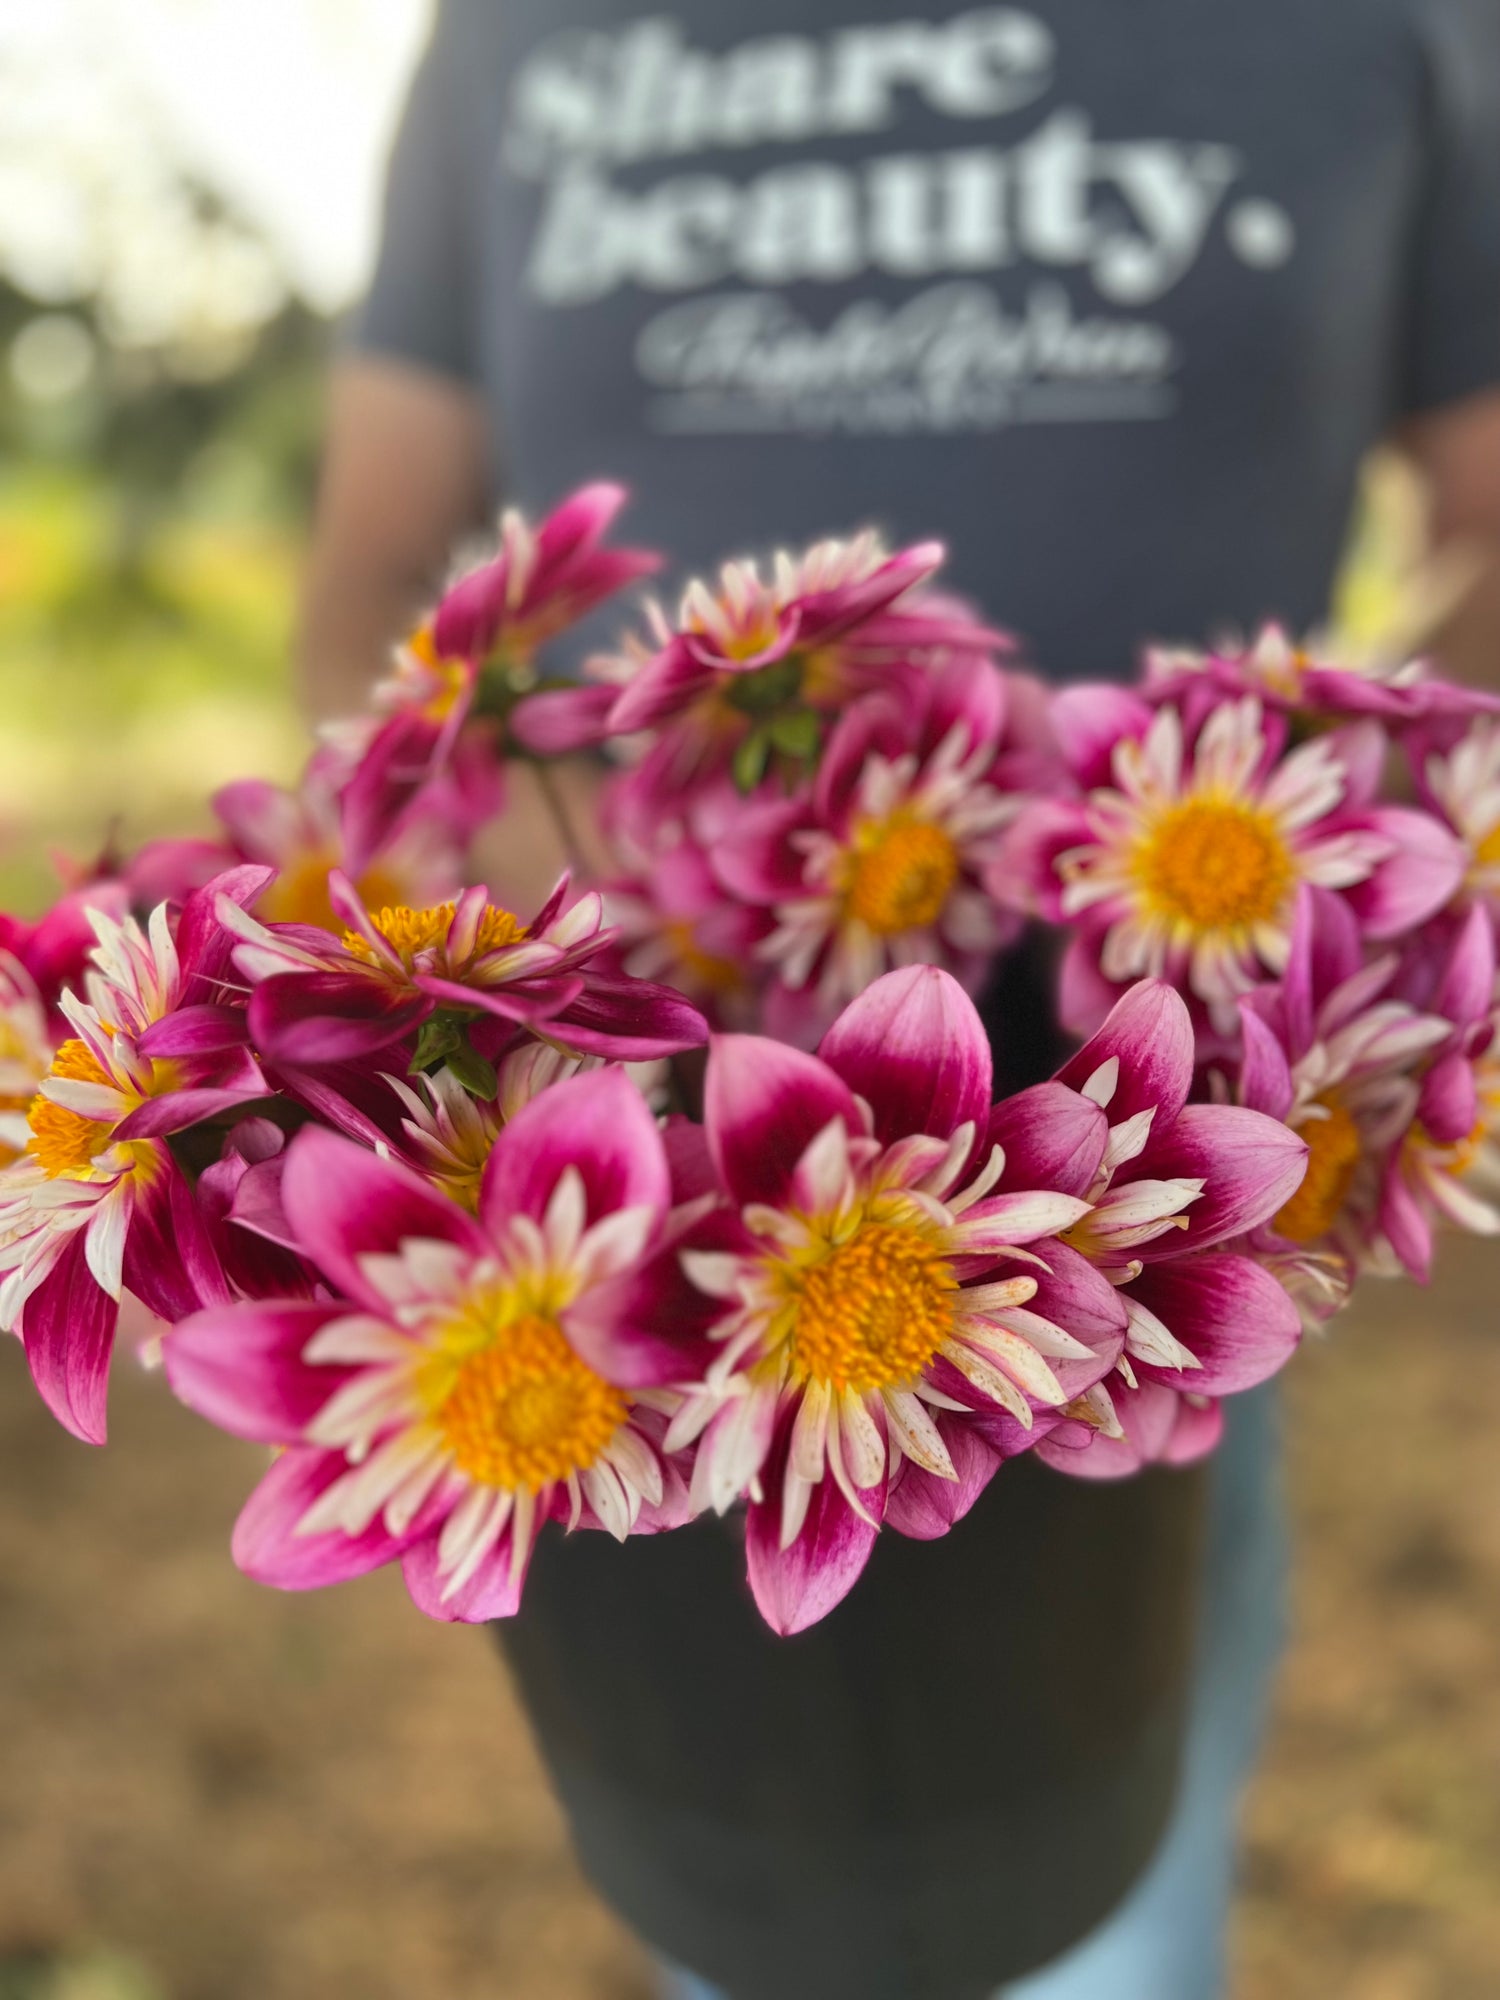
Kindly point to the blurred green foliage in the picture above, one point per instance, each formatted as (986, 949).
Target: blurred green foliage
(151, 513)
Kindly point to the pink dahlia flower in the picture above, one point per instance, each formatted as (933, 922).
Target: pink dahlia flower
(471, 1377)
(1186, 866)
(882, 1304)
(1463, 784)
(317, 1000)
(1284, 674)
(880, 865)
(25, 1054)
(1338, 1058)
(53, 953)
(675, 923)
(540, 580)
(1446, 1167)
(447, 1133)
(1170, 1189)
(753, 665)
(96, 1201)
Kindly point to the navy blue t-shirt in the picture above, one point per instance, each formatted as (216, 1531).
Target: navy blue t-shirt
(1111, 295)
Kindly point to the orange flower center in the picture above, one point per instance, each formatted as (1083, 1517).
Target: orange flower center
(871, 1312)
(1333, 1153)
(900, 875)
(715, 974)
(299, 895)
(522, 1411)
(1215, 865)
(63, 1141)
(410, 932)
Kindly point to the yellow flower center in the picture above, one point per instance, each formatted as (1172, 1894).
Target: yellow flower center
(410, 932)
(1215, 865)
(63, 1141)
(26, 1063)
(706, 968)
(522, 1411)
(900, 875)
(452, 675)
(299, 895)
(873, 1311)
(1334, 1149)
(1487, 851)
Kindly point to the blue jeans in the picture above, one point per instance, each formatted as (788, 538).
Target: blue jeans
(1166, 1940)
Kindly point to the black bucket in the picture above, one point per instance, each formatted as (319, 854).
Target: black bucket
(942, 1786)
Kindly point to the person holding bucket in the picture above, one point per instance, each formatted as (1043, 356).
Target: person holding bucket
(1114, 301)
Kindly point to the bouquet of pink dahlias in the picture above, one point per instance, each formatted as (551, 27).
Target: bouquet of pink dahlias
(441, 1200)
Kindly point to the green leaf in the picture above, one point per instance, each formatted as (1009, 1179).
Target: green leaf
(750, 760)
(439, 1037)
(765, 689)
(796, 733)
(474, 1072)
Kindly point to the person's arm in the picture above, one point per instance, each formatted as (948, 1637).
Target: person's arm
(404, 480)
(1448, 421)
(1456, 450)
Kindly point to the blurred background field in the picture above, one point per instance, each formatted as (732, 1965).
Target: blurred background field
(211, 1793)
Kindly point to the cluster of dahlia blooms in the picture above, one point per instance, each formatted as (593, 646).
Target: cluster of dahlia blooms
(688, 1192)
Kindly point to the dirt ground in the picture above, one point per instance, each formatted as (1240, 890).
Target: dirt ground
(211, 1792)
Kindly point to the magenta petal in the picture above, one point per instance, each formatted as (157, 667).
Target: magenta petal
(345, 1203)
(1251, 1164)
(1148, 1416)
(267, 1547)
(1265, 1075)
(176, 1111)
(689, 1159)
(258, 1205)
(598, 1124)
(1150, 1032)
(563, 719)
(203, 944)
(1075, 1295)
(1084, 995)
(1024, 874)
(1402, 1222)
(925, 1507)
(665, 684)
(327, 1017)
(1089, 720)
(403, 757)
(763, 1105)
(1425, 868)
(1052, 1138)
(1195, 1433)
(876, 726)
(795, 1587)
(170, 1261)
(1448, 1108)
(493, 1591)
(754, 857)
(532, 1003)
(1326, 949)
(206, 1030)
(1466, 990)
(241, 1366)
(68, 1329)
(913, 1047)
(646, 1328)
(628, 1020)
(1229, 1312)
